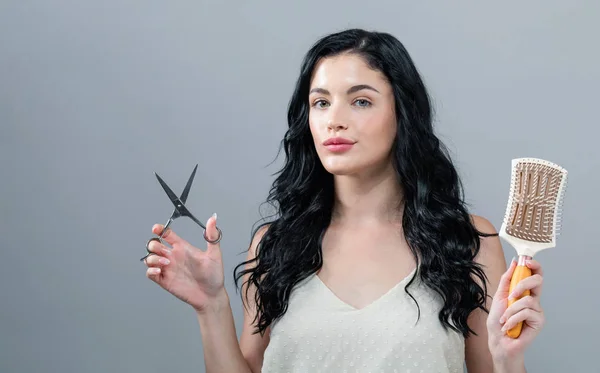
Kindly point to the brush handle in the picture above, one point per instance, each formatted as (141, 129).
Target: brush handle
(521, 272)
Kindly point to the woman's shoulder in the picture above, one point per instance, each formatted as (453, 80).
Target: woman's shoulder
(483, 225)
(256, 239)
(491, 254)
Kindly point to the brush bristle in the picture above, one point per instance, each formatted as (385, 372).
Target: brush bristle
(535, 202)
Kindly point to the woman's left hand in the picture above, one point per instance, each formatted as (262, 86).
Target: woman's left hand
(527, 309)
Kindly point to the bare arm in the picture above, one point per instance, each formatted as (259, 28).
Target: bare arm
(222, 352)
(491, 256)
(221, 349)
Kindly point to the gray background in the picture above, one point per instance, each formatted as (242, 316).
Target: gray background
(96, 96)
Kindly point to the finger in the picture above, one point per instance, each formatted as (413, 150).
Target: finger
(504, 284)
(170, 237)
(533, 319)
(532, 283)
(535, 266)
(212, 233)
(527, 302)
(156, 247)
(157, 261)
(153, 273)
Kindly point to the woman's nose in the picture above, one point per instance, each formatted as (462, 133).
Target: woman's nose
(337, 119)
(336, 125)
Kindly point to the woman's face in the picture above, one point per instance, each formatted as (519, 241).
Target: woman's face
(352, 117)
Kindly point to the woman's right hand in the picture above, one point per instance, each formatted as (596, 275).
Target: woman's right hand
(192, 275)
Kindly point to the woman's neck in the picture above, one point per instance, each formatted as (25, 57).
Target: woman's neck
(369, 198)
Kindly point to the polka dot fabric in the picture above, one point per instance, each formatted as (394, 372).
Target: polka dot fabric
(321, 333)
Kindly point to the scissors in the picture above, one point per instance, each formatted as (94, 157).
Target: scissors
(179, 211)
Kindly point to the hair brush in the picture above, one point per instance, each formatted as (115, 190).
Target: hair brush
(532, 217)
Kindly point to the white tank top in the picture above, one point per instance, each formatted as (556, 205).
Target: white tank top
(321, 333)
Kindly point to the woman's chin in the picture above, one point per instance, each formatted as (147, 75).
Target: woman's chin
(352, 167)
(341, 168)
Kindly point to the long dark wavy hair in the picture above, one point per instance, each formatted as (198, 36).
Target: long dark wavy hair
(436, 223)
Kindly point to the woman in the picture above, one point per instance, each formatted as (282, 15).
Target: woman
(372, 263)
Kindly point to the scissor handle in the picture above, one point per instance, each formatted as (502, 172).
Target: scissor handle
(159, 240)
(147, 249)
(214, 241)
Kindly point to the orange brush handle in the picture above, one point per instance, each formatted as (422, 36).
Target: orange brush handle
(521, 272)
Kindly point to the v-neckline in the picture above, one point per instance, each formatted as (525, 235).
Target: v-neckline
(369, 305)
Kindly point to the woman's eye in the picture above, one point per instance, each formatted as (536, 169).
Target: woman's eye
(363, 102)
(320, 104)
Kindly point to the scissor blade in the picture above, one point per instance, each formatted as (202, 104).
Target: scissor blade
(183, 211)
(188, 186)
(172, 196)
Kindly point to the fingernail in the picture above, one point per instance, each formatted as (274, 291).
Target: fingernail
(514, 259)
(502, 320)
(154, 270)
(164, 261)
(215, 216)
